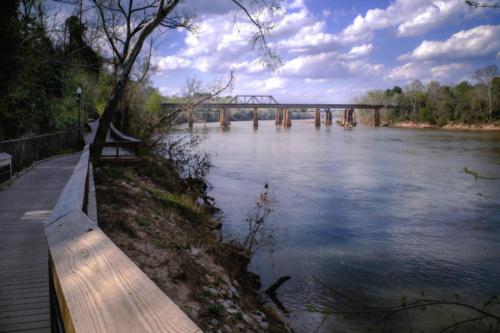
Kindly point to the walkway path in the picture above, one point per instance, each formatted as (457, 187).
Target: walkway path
(24, 277)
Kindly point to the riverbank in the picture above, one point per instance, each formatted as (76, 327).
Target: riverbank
(162, 225)
(450, 126)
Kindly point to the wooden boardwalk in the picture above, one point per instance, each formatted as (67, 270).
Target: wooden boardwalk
(24, 277)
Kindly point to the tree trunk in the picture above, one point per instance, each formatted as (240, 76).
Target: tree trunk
(107, 117)
(489, 97)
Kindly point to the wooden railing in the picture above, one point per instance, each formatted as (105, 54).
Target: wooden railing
(95, 287)
(28, 150)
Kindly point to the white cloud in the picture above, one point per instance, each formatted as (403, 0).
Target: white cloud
(327, 65)
(408, 17)
(360, 50)
(170, 63)
(431, 16)
(479, 41)
(445, 71)
(271, 84)
(426, 71)
(408, 71)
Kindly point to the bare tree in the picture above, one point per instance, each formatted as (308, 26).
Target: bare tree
(194, 94)
(477, 4)
(128, 24)
(485, 76)
(413, 89)
(259, 234)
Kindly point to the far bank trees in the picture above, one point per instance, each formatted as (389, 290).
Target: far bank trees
(434, 103)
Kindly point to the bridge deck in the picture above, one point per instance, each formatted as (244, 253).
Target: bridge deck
(24, 277)
(292, 106)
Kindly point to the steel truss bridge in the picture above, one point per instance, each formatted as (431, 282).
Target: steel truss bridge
(268, 102)
(282, 117)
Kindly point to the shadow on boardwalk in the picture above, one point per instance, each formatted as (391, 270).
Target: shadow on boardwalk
(24, 277)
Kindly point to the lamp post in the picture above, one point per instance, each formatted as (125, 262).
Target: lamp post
(79, 96)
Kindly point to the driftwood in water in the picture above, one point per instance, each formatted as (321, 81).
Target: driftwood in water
(272, 289)
(271, 292)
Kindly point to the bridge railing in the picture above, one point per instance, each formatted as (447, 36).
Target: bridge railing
(28, 150)
(95, 287)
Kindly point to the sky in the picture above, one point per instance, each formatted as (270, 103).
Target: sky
(331, 50)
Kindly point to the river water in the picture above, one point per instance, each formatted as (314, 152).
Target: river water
(364, 216)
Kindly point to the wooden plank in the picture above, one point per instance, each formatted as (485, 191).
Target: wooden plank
(100, 289)
(73, 194)
(23, 326)
(40, 304)
(26, 318)
(24, 312)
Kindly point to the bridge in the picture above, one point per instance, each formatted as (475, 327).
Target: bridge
(282, 110)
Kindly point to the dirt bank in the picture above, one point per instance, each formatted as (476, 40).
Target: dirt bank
(451, 126)
(171, 235)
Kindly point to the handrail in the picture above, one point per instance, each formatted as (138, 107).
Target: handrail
(121, 136)
(73, 194)
(33, 137)
(95, 287)
(26, 151)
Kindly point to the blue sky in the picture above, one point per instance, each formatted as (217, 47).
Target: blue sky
(332, 51)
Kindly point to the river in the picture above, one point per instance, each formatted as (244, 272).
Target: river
(364, 216)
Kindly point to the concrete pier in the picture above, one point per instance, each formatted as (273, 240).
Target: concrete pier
(376, 117)
(279, 116)
(317, 118)
(255, 117)
(189, 117)
(328, 117)
(287, 118)
(224, 117)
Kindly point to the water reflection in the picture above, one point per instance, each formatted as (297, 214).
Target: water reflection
(373, 213)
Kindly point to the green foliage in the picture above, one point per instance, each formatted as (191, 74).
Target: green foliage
(438, 104)
(40, 77)
(182, 205)
(425, 115)
(216, 309)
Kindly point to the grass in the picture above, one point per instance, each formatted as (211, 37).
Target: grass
(180, 203)
(216, 309)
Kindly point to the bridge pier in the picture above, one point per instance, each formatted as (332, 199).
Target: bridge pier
(189, 117)
(287, 119)
(317, 118)
(255, 118)
(376, 117)
(224, 117)
(349, 117)
(279, 116)
(328, 117)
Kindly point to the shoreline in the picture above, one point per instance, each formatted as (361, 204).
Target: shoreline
(174, 239)
(448, 127)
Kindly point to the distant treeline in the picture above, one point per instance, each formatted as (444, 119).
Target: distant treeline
(466, 102)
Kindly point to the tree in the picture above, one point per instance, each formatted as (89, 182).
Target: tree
(477, 4)
(413, 91)
(128, 24)
(9, 39)
(485, 76)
